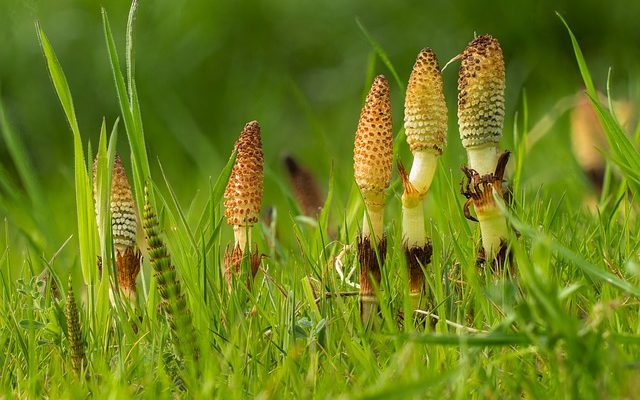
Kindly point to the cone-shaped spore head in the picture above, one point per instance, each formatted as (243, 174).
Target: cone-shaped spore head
(243, 194)
(373, 152)
(425, 110)
(481, 84)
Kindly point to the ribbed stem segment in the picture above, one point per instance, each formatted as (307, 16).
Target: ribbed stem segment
(74, 332)
(174, 303)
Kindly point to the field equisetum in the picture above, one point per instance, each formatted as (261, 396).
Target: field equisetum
(425, 123)
(242, 200)
(124, 226)
(74, 332)
(174, 303)
(372, 164)
(481, 85)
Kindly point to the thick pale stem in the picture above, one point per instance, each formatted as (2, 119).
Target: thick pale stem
(483, 159)
(413, 225)
(493, 228)
(242, 236)
(373, 222)
(423, 169)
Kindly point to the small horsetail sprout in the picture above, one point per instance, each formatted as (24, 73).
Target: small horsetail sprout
(174, 303)
(124, 224)
(74, 332)
(372, 162)
(305, 188)
(425, 123)
(242, 198)
(481, 87)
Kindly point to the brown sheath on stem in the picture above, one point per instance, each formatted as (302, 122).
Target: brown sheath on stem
(479, 192)
(233, 259)
(417, 258)
(370, 260)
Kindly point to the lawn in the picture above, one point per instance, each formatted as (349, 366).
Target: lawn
(558, 316)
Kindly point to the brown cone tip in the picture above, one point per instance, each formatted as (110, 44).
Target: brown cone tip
(481, 85)
(305, 187)
(425, 110)
(243, 194)
(373, 151)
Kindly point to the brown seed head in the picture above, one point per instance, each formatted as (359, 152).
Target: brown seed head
(123, 209)
(481, 84)
(425, 111)
(243, 194)
(373, 152)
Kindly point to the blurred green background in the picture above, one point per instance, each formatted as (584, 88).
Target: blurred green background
(204, 68)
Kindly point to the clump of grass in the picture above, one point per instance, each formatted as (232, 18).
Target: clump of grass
(74, 332)
(124, 225)
(372, 164)
(481, 86)
(425, 123)
(242, 200)
(174, 303)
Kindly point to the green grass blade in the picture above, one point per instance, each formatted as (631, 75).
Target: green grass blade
(131, 116)
(582, 65)
(84, 201)
(381, 53)
(19, 156)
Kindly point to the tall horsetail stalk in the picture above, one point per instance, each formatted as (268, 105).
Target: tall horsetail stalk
(174, 303)
(124, 225)
(74, 332)
(372, 164)
(481, 86)
(425, 123)
(242, 199)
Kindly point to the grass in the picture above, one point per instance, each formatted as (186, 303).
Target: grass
(566, 325)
